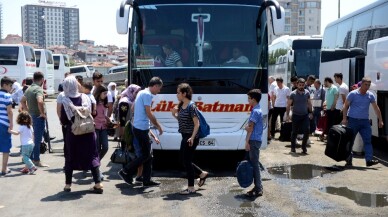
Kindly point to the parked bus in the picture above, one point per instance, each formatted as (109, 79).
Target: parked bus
(61, 66)
(350, 45)
(294, 56)
(45, 64)
(117, 69)
(17, 61)
(84, 70)
(204, 35)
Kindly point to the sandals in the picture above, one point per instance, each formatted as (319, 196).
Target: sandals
(202, 180)
(5, 173)
(96, 190)
(187, 192)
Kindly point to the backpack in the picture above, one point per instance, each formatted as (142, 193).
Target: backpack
(204, 128)
(244, 173)
(83, 120)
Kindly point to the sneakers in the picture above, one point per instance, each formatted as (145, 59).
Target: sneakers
(371, 163)
(32, 170)
(125, 177)
(151, 184)
(40, 164)
(25, 170)
(293, 150)
(304, 151)
(254, 193)
(139, 179)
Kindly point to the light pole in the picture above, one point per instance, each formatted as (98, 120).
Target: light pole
(339, 9)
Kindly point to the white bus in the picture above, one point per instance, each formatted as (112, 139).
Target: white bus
(17, 61)
(61, 66)
(45, 64)
(117, 69)
(294, 56)
(83, 70)
(205, 36)
(350, 46)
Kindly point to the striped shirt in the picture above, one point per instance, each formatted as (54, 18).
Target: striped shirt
(172, 59)
(5, 100)
(185, 119)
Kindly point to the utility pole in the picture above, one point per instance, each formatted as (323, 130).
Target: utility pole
(339, 9)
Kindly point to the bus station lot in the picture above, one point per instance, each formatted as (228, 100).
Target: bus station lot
(294, 185)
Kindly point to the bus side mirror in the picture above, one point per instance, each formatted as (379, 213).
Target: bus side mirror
(278, 24)
(123, 18)
(290, 56)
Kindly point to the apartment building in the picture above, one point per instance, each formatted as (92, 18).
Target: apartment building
(50, 24)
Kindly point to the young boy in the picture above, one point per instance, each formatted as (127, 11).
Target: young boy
(253, 140)
(6, 121)
(87, 89)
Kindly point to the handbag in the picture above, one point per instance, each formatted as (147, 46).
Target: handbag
(244, 172)
(121, 156)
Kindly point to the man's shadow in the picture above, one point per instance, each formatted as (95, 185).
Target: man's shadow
(65, 196)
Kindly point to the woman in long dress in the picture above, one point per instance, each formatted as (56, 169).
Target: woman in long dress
(81, 150)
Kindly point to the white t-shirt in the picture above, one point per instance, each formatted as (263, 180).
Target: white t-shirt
(343, 89)
(271, 89)
(281, 96)
(26, 133)
(110, 97)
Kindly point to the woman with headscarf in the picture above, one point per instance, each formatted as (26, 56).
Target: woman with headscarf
(127, 99)
(81, 150)
(112, 92)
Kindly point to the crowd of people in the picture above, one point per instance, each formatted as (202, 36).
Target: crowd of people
(312, 107)
(303, 104)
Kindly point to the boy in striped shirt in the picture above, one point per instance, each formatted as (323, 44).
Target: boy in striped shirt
(6, 121)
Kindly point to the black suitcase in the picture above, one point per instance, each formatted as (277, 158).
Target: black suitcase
(285, 132)
(339, 142)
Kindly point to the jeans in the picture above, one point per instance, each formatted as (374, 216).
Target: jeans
(38, 125)
(300, 123)
(95, 173)
(102, 142)
(187, 153)
(145, 158)
(26, 153)
(316, 116)
(363, 127)
(254, 154)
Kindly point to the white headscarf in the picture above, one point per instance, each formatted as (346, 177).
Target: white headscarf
(70, 89)
(112, 92)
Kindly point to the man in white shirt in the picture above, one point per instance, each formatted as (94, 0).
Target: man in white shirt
(280, 97)
(343, 91)
(271, 88)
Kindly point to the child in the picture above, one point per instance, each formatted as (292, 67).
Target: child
(253, 140)
(6, 117)
(101, 120)
(26, 140)
(87, 89)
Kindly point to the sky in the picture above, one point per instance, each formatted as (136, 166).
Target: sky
(98, 17)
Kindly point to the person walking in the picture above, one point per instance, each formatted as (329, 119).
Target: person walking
(33, 103)
(253, 140)
(331, 98)
(356, 117)
(6, 122)
(81, 150)
(280, 95)
(343, 91)
(317, 103)
(141, 127)
(301, 114)
(186, 112)
(26, 140)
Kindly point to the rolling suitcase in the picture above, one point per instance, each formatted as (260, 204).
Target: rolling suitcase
(285, 131)
(339, 141)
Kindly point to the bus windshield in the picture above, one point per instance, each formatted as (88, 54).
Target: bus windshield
(307, 57)
(208, 42)
(9, 55)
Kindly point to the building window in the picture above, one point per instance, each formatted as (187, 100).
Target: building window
(301, 13)
(301, 28)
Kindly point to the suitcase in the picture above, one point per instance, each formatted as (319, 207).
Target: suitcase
(339, 142)
(285, 132)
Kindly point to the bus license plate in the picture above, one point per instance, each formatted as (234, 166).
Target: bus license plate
(207, 142)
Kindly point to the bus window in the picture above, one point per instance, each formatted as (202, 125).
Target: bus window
(29, 53)
(57, 60)
(9, 55)
(37, 55)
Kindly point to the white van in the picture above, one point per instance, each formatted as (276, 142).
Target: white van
(17, 61)
(61, 66)
(45, 64)
(84, 70)
(117, 69)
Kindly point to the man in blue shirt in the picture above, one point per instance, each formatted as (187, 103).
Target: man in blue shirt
(253, 140)
(141, 127)
(356, 107)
